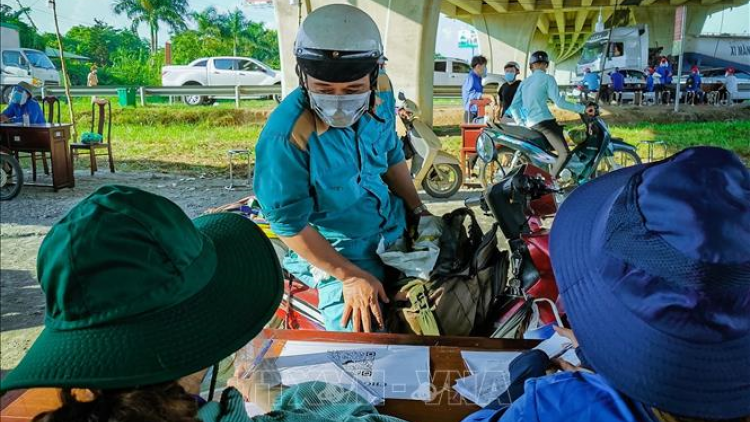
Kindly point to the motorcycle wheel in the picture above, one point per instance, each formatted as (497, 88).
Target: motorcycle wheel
(495, 170)
(11, 177)
(443, 181)
(620, 159)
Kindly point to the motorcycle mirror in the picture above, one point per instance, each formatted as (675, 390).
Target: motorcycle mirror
(401, 96)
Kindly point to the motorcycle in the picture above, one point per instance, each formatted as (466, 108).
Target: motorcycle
(503, 147)
(528, 295)
(11, 176)
(432, 169)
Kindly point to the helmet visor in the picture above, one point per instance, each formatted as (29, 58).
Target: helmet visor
(337, 66)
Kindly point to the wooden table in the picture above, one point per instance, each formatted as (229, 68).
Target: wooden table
(446, 366)
(50, 138)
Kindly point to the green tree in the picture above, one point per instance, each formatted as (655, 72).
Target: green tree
(229, 33)
(99, 41)
(152, 13)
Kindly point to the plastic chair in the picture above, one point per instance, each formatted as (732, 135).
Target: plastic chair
(98, 120)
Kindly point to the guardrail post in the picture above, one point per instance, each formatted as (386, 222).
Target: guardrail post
(44, 94)
(143, 96)
(237, 96)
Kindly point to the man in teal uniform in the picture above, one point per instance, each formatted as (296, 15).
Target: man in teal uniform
(330, 173)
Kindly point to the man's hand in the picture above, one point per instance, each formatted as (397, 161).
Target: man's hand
(568, 334)
(3, 118)
(361, 295)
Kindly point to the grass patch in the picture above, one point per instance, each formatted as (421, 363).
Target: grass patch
(195, 140)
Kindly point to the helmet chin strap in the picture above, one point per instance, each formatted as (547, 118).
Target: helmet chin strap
(373, 90)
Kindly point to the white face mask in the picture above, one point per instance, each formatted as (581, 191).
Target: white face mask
(340, 110)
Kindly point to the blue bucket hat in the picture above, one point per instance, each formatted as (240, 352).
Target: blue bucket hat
(653, 264)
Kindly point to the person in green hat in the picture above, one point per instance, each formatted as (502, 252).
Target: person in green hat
(138, 296)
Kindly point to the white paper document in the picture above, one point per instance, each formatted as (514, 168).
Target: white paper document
(484, 387)
(479, 362)
(373, 371)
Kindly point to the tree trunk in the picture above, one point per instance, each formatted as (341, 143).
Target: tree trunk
(156, 38)
(66, 77)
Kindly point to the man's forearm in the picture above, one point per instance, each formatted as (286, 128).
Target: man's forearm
(400, 182)
(316, 250)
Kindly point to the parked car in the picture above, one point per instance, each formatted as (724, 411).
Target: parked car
(453, 72)
(219, 71)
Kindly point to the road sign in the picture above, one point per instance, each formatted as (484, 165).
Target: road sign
(467, 39)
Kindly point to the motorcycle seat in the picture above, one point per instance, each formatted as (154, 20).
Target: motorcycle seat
(529, 135)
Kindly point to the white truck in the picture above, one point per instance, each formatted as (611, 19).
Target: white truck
(631, 48)
(219, 71)
(21, 64)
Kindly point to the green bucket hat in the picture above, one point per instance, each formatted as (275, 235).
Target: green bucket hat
(137, 294)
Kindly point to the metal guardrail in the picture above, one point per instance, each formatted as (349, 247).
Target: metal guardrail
(227, 91)
(237, 93)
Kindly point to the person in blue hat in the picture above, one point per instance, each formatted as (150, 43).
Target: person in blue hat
(22, 103)
(653, 264)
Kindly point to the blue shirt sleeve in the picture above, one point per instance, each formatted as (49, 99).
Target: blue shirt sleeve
(515, 106)
(282, 184)
(395, 147)
(12, 111)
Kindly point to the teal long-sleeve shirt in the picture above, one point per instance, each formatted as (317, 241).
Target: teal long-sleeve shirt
(307, 173)
(530, 107)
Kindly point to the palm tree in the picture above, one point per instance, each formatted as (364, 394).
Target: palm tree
(151, 13)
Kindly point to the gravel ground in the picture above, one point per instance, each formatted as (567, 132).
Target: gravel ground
(25, 221)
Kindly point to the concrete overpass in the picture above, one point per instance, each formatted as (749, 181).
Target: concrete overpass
(507, 30)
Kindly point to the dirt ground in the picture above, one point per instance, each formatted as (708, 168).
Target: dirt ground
(25, 221)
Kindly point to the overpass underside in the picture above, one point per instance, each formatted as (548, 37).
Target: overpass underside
(507, 30)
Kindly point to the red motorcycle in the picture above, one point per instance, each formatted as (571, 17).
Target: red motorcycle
(528, 295)
(526, 292)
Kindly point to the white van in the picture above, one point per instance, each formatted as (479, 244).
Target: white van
(35, 62)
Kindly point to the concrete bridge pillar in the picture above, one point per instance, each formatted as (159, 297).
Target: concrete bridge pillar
(409, 31)
(505, 37)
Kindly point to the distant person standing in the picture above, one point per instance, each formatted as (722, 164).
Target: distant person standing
(92, 80)
(693, 86)
(473, 89)
(617, 84)
(507, 91)
(665, 78)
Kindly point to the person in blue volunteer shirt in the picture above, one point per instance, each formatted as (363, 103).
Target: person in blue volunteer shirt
(530, 109)
(664, 72)
(617, 83)
(653, 265)
(649, 79)
(330, 173)
(22, 102)
(693, 84)
(590, 81)
(472, 88)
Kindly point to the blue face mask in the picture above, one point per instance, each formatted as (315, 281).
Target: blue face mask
(18, 97)
(510, 76)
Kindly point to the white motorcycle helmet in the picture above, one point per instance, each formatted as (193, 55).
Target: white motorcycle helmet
(338, 43)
